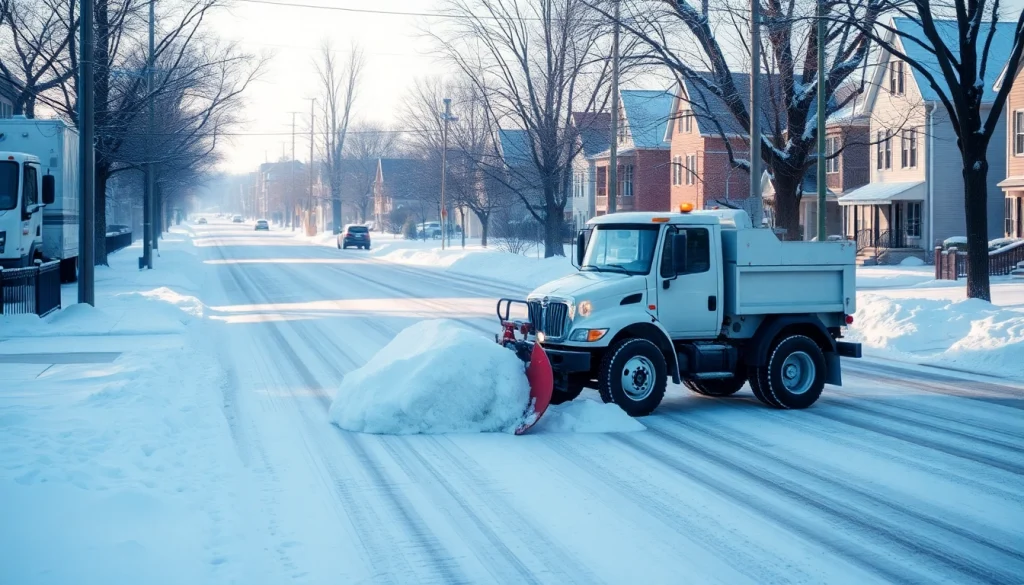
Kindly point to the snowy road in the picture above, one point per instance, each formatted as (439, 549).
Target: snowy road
(901, 476)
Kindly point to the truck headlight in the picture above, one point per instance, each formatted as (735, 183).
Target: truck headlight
(589, 335)
(585, 308)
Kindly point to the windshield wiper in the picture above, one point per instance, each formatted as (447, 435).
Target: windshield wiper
(606, 268)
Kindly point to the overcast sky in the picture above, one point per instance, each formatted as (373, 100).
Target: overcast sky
(396, 53)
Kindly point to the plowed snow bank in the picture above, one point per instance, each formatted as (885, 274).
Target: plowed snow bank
(434, 377)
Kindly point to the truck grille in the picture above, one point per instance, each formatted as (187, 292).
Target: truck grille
(551, 320)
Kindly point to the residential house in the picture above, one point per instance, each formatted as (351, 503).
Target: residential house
(915, 197)
(643, 163)
(521, 175)
(403, 183)
(279, 186)
(593, 130)
(1013, 185)
(9, 89)
(701, 133)
(847, 166)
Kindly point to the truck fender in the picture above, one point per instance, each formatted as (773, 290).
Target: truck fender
(756, 354)
(654, 332)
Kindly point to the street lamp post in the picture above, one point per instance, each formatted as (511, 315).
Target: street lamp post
(447, 117)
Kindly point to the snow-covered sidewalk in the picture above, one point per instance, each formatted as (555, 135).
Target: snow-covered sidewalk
(114, 444)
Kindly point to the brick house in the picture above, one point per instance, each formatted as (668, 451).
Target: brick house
(915, 196)
(593, 130)
(1013, 184)
(643, 155)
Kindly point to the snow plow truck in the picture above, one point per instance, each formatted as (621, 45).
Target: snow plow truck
(698, 297)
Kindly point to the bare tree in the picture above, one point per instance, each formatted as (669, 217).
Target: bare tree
(369, 142)
(36, 36)
(699, 45)
(963, 46)
(534, 63)
(339, 82)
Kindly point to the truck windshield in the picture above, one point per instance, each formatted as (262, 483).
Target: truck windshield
(621, 248)
(8, 185)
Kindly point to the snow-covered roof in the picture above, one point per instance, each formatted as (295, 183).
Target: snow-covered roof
(515, 147)
(876, 193)
(648, 113)
(910, 32)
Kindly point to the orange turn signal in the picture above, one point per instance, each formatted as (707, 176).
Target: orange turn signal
(659, 219)
(595, 334)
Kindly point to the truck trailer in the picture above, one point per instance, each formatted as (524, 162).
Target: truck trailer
(697, 297)
(31, 229)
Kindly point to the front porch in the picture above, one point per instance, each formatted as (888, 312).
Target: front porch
(885, 220)
(1013, 210)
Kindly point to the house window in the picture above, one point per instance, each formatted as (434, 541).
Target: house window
(831, 160)
(685, 122)
(691, 169)
(914, 219)
(908, 148)
(677, 170)
(1008, 224)
(6, 110)
(896, 78)
(1018, 133)
(627, 181)
(602, 181)
(884, 158)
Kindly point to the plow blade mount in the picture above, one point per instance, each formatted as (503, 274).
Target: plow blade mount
(542, 383)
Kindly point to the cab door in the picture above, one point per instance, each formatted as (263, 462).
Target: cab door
(689, 303)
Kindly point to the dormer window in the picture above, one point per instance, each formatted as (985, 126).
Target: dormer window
(896, 78)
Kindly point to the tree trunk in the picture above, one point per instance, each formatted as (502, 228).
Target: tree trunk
(553, 232)
(976, 218)
(336, 208)
(101, 98)
(484, 227)
(787, 204)
(462, 216)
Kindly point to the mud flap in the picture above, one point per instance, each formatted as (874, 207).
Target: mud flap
(542, 383)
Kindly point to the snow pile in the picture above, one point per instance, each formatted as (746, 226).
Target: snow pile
(486, 263)
(912, 261)
(969, 334)
(434, 377)
(586, 416)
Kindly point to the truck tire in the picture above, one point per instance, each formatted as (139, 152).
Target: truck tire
(633, 375)
(718, 387)
(568, 395)
(794, 374)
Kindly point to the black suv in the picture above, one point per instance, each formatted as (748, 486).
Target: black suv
(354, 235)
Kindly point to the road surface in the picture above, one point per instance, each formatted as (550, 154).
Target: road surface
(904, 475)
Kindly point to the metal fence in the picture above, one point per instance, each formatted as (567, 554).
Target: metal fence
(118, 240)
(32, 290)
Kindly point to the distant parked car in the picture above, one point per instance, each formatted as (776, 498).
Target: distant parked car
(430, 229)
(237, 219)
(354, 235)
(262, 225)
(202, 221)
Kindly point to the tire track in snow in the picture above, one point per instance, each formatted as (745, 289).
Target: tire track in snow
(378, 544)
(693, 525)
(813, 532)
(743, 445)
(993, 394)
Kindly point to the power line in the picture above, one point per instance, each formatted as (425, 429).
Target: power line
(354, 10)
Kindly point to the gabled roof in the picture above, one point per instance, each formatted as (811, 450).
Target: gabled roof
(403, 177)
(595, 131)
(949, 30)
(648, 113)
(708, 108)
(515, 147)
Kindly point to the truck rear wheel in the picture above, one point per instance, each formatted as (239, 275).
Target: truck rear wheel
(718, 387)
(794, 375)
(633, 375)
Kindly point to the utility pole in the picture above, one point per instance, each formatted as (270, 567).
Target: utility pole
(309, 219)
(87, 162)
(291, 179)
(755, 112)
(149, 210)
(822, 193)
(613, 150)
(447, 117)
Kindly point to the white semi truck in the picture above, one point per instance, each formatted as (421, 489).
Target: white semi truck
(700, 298)
(39, 194)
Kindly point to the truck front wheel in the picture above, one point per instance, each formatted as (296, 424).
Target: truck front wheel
(794, 374)
(633, 375)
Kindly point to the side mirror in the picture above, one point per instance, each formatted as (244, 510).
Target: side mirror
(49, 189)
(582, 240)
(679, 260)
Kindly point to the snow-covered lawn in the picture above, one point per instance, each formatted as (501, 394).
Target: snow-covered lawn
(116, 460)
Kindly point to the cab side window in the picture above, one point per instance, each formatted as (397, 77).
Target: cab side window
(698, 252)
(31, 194)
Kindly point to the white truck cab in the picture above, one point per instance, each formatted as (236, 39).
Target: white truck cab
(24, 191)
(701, 298)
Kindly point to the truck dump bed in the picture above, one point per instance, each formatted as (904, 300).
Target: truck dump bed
(766, 276)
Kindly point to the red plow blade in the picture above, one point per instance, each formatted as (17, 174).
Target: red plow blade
(542, 383)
